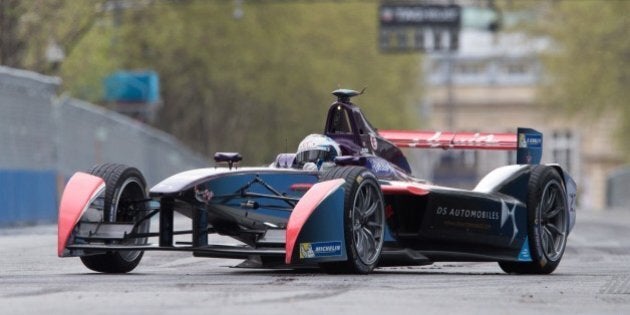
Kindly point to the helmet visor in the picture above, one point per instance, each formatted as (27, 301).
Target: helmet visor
(314, 156)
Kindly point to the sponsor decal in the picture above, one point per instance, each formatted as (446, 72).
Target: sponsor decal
(482, 219)
(311, 142)
(320, 249)
(468, 225)
(522, 143)
(359, 179)
(204, 195)
(477, 138)
(533, 141)
(379, 166)
(373, 142)
(506, 213)
(316, 142)
(468, 213)
(524, 254)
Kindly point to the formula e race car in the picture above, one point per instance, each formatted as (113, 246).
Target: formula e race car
(345, 202)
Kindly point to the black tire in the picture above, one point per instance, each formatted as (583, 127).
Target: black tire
(125, 190)
(363, 233)
(548, 223)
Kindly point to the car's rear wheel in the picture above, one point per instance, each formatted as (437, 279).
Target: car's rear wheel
(364, 220)
(548, 223)
(125, 201)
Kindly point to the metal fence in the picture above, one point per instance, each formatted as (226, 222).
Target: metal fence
(41, 132)
(26, 124)
(87, 135)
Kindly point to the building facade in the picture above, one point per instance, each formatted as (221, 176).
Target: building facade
(491, 85)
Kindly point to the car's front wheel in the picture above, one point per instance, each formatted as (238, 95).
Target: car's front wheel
(364, 220)
(124, 202)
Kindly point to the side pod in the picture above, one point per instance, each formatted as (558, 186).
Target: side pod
(315, 231)
(80, 192)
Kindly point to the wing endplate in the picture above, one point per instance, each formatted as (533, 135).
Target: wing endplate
(317, 220)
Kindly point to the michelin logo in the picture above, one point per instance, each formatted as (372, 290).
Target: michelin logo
(321, 249)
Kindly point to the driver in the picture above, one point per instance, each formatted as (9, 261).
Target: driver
(316, 152)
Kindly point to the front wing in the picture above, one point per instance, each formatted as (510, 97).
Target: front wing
(314, 232)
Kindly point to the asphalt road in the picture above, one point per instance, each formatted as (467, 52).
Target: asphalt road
(593, 278)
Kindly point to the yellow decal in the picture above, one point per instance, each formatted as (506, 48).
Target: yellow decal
(359, 179)
(306, 251)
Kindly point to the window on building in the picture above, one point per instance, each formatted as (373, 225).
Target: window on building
(470, 67)
(516, 68)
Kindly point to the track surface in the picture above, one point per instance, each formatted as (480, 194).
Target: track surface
(593, 278)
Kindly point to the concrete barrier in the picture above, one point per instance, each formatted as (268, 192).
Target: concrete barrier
(27, 197)
(44, 137)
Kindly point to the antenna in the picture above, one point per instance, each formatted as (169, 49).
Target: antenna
(344, 95)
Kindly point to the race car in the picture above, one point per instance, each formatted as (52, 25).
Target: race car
(345, 202)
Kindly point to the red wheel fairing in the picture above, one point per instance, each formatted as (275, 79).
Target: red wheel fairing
(80, 191)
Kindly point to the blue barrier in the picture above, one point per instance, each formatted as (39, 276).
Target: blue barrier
(27, 197)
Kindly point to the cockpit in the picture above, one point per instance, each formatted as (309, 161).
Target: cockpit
(347, 126)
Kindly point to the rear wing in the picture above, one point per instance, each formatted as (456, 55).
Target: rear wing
(527, 142)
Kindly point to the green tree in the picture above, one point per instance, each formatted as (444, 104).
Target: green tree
(11, 44)
(28, 28)
(589, 68)
(255, 84)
